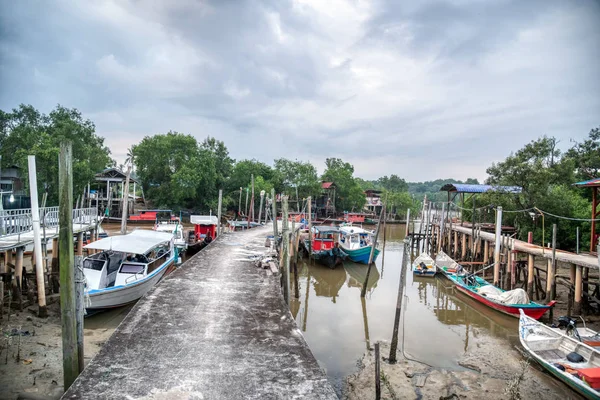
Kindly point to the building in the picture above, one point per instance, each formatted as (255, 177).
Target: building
(108, 194)
(12, 188)
(373, 201)
(325, 204)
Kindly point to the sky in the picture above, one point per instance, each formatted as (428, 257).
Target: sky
(422, 89)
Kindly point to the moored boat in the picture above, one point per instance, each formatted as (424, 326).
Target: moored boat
(126, 267)
(357, 243)
(568, 326)
(175, 229)
(424, 265)
(507, 302)
(574, 363)
(324, 247)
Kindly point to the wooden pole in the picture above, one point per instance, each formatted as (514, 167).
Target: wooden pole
(80, 244)
(79, 309)
(262, 198)
(530, 266)
(442, 222)
(285, 251)
(125, 201)
(455, 243)
(252, 198)
(551, 283)
(377, 373)
(2, 300)
(578, 284)
(219, 207)
(296, 240)
(463, 247)
(274, 215)
(67, 272)
(371, 255)
(407, 222)
(394, 343)
(497, 246)
(19, 275)
(37, 239)
(247, 215)
(240, 203)
(309, 207)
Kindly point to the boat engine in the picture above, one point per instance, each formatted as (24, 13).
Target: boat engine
(564, 322)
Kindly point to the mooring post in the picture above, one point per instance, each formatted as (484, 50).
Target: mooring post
(394, 344)
(442, 223)
(285, 244)
(309, 206)
(67, 272)
(407, 231)
(125, 202)
(260, 207)
(252, 198)
(294, 244)
(246, 208)
(219, 210)
(497, 246)
(530, 268)
(372, 254)
(578, 286)
(37, 239)
(240, 203)
(274, 215)
(79, 309)
(463, 246)
(18, 282)
(377, 373)
(551, 283)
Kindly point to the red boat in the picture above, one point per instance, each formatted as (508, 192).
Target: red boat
(152, 216)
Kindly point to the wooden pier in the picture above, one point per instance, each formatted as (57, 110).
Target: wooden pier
(216, 328)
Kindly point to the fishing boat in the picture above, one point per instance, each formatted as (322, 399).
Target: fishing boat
(324, 247)
(152, 216)
(568, 326)
(175, 229)
(357, 243)
(507, 302)
(424, 265)
(573, 362)
(126, 267)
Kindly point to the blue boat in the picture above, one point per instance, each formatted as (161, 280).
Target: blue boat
(424, 265)
(357, 243)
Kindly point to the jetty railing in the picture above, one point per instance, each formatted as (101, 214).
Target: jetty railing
(20, 221)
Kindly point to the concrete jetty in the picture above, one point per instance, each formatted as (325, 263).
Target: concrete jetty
(216, 328)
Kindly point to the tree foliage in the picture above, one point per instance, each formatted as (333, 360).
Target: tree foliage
(298, 175)
(25, 131)
(349, 195)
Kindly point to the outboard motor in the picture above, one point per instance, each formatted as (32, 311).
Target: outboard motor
(564, 322)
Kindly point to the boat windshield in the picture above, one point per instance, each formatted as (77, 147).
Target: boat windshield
(132, 269)
(93, 264)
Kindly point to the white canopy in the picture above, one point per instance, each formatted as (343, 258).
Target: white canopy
(349, 230)
(204, 220)
(137, 242)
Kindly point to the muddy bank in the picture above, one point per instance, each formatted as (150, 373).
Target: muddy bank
(485, 372)
(31, 349)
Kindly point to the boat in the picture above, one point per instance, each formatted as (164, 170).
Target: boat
(126, 267)
(175, 229)
(477, 288)
(152, 216)
(568, 326)
(574, 363)
(205, 230)
(424, 265)
(324, 247)
(357, 243)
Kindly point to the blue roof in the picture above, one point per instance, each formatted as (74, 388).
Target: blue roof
(590, 183)
(466, 188)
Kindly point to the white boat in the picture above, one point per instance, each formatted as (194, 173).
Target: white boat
(357, 243)
(176, 229)
(424, 265)
(571, 361)
(127, 267)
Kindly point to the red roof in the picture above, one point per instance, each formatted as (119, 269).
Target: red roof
(326, 185)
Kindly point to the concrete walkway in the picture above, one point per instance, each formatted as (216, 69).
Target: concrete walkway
(216, 328)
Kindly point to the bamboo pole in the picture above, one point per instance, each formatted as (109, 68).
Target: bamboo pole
(67, 273)
(37, 239)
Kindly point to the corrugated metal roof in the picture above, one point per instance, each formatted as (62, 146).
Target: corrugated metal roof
(590, 183)
(468, 188)
(326, 185)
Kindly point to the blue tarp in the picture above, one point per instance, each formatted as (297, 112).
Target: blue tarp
(468, 188)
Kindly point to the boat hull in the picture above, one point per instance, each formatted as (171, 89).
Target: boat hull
(361, 255)
(121, 295)
(428, 273)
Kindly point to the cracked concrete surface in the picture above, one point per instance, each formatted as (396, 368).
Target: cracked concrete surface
(216, 328)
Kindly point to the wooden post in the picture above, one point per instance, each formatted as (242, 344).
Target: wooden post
(79, 309)
(80, 244)
(404, 266)
(463, 247)
(407, 222)
(309, 207)
(247, 215)
(37, 239)
(572, 276)
(274, 215)
(219, 207)
(2, 300)
(455, 243)
(371, 255)
(19, 276)
(262, 198)
(296, 240)
(530, 267)
(377, 373)
(578, 284)
(67, 272)
(497, 246)
(551, 283)
(252, 198)
(512, 262)
(125, 203)
(285, 244)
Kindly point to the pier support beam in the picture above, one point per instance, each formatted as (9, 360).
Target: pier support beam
(578, 291)
(455, 243)
(19, 276)
(497, 246)
(80, 244)
(530, 269)
(463, 247)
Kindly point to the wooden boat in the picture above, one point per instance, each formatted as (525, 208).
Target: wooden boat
(568, 326)
(507, 302)
(557, 353)
(127, 267)
(324, 247)
(205, 230)
(357, 243)
(424, 265)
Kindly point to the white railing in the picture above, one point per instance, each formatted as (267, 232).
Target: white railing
(18, 222)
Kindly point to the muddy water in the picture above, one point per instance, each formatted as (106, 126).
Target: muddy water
(339, 325)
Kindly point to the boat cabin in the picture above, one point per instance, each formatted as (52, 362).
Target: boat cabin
(153, 215)
(355, 238)
(204, 225)
(324, 237)
(126, 259)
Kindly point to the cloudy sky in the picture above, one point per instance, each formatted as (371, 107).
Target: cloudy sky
(423, 89)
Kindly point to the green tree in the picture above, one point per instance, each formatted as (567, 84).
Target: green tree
(586, 156)
(300, 175)
(349, 195)
(393, 184)
(25, 131)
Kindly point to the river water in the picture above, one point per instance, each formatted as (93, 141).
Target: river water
(340, 326)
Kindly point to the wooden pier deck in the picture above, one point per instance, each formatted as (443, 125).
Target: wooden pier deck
(216, 328)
